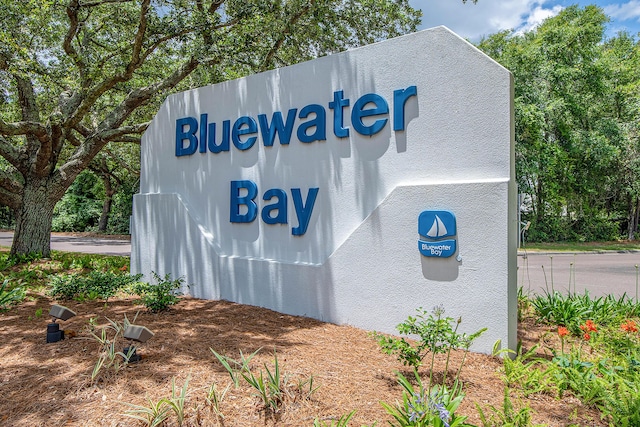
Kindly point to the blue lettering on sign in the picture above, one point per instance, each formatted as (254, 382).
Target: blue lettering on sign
(380, 108)
(283, 130)
(369, 116)
(244, 209)
(186, 129)
(436, 229)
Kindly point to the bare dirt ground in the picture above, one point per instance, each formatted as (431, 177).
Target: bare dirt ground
(49, 384)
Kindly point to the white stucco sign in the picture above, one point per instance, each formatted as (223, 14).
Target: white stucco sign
(353, 188)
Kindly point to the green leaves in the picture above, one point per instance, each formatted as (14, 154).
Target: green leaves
(271, 388)
(575, 156)
(606, 376)
(161, 295)
(574, 309)
(156, 413)
(437, 335)
(425, 407)
(343, 421)
(76, 76)
(9, 297)
(94, 285)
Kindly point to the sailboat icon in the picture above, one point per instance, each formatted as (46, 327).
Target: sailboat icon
(437, 224)
(438, 229)
(435, 227)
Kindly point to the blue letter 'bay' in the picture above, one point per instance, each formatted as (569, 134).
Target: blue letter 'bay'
(244, 193)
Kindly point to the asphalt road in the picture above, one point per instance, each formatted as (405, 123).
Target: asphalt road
(599, 273)
(89, 245)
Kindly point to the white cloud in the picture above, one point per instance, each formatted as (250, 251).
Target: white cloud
(536, 16)
(624, 11)
(474, 21)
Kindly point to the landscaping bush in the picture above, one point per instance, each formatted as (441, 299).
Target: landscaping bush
(9, 297)
(95, 285)
(161, 295)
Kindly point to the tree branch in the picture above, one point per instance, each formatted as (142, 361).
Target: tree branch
(72, 12)
(23, 128)
(27, 99)
(47, 157)
(127, 139)
(157, 43)
(141, 96)
(266, 63)
(70, 136)
(101, 2)
(215, 5)
(121, 133)
(93, 94)
(10, 190)
(96, 141)
(12, 154)
(137, 44)
(121, 163)
(138, 58)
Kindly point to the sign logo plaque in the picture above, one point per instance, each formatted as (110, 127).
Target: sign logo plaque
(437, 230)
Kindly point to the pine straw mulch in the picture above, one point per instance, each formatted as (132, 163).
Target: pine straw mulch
(49, 384)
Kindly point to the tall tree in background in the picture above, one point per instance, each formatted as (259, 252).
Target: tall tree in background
(621, 59)
(76, 75)
(577, 115)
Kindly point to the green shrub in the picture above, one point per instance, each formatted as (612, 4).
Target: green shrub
(80, 208)
(161, 295)
(95, 285)
(572, 310)
(507, 416)
(65, 286)
(423, 406)
(9, 297)
(437, 334)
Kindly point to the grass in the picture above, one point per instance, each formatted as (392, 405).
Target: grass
(622, 245)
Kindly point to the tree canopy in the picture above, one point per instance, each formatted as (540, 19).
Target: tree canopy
(78, 75)
(80, 80)
(577, 108)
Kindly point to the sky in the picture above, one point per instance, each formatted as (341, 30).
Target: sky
(473, 21)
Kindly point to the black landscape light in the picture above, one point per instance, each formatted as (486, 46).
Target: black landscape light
(54, 334)
(135, 333)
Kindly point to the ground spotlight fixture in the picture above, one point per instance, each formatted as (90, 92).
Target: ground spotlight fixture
(135, 333)
(57, 312)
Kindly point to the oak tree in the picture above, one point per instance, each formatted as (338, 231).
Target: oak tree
(76, 75)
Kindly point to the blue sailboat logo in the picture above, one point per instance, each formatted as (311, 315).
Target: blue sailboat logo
(434, 227)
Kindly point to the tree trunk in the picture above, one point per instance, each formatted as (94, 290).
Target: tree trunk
(106, 211)
(634, 214)
(109, 191)
(33, 220)
(636, 218)
(630, 233)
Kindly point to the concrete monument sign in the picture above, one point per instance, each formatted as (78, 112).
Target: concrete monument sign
(353, 188)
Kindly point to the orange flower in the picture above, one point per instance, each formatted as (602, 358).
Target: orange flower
(589, 326)
(562, 331)
(586, 336)
(124, 268)
(629, 326)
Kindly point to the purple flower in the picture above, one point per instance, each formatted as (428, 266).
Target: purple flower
(442, 411)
